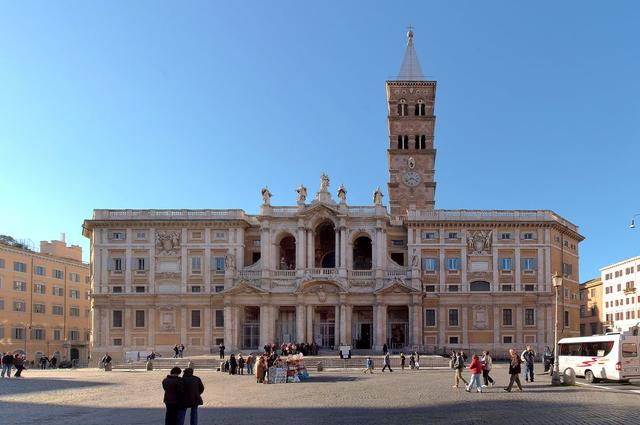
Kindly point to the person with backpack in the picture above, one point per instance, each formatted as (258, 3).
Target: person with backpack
(514, 370)
(487, 362)
(458, 367)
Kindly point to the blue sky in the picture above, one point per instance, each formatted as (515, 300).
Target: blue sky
(153, 104)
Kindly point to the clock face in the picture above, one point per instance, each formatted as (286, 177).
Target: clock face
(411, 178)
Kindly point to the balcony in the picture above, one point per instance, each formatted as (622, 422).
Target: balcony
(630, 290)
(361, 274)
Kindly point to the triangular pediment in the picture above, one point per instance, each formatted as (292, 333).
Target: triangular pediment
(396, 287)
(322, 286)
(319, 208)
(244, 287)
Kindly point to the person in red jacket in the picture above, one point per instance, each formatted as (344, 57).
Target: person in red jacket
(476, 372)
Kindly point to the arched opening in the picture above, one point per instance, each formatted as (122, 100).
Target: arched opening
(403, 142)
(480, 286)
(421, 142)
(420, 108)
(74, 354)
(362, 253)
(402, 108)
(325, 244)
(287, 260)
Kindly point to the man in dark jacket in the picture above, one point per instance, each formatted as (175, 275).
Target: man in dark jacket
(191, 399)
(7, 364)
(173, 392)
(222, 347)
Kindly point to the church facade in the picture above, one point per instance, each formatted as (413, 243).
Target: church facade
(409, 276)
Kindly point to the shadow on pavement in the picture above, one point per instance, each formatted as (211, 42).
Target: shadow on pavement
(33, 385)
(473, 411)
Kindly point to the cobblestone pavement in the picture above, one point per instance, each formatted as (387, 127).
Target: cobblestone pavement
(89, 396)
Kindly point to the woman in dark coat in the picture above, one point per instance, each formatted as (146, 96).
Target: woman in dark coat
(191, 398)
(233, 365)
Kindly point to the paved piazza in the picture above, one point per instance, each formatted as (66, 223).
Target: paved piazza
(89, 396)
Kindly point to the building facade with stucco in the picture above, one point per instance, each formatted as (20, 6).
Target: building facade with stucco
(325, 271)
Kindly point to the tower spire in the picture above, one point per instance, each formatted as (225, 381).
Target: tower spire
(410, 69)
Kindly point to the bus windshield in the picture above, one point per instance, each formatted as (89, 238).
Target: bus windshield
(589, 349)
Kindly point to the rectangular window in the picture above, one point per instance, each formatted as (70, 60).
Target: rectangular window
(58, 274)
(195, 318)
(117, 341)
(528, 264)
(506, 288)
(505, 236)
(19, 306)
(74, 335)
(17, 333)
(57, 310)
(529, 288)
(219, 235)
(39, 308)
(430, 264)
(397, 242)
(1, 304)
(141, 235)
(117, 264)
(19, 285)
(429, 235)
(141, 263)
(219, 319)
(452, 235)
(74, 277)
(56, 334)
(566, 318)
(40, 271)
(507, 339)
(452, 288)
(567, 269)
(118, 236)
(19, 267)
(1, 332)
(453, 264)
(58, 291)
(140, 289)
(139, 318)
(454, 340)
(430, 317)
(629, 349)
(2, 264)
(529, 317)
(453, 317)
(219, 262)
(116, 289)
(218, 288)
(39, 288)
(74, 312)
(528, 236)
(505, 264)
(429, 288)
(507, 317)
(74, 293)
(116, 320)
(39, 334)
(195, 265)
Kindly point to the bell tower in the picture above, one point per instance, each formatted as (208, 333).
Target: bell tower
(411, 155)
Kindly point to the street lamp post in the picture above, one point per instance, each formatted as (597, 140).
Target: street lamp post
(555, 378)
(633, 221)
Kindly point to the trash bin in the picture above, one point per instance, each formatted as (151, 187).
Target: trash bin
(569, 377)
(149, 365)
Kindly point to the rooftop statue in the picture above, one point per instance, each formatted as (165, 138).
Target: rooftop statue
(266, 196)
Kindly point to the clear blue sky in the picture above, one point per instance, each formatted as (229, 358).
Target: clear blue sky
(152, 104)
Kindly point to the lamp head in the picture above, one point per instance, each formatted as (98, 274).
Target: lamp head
(632, 225)
(557, 280)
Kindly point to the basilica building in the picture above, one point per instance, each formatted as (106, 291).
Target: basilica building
(325, 271)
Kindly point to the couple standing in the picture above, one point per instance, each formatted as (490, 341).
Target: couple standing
(180, 394)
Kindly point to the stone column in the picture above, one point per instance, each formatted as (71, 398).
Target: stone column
(519, 323)
(152, 262)
(347, 318)
(465, 324)
(128, 263)
(236, 326)
(104, 279)
(343, 324)
(343, 248)
(518, 272)
(207, 329)
(337, 248)
(106, 322)
(127, 327)
(309, 335)
(207, 260)
(540, 271)
(540, 324)
(183, 326)
(376, 328)
(418, 321)
(496, 327)
(495, 286)
(184, 262)
(381, 325)
(442, 325)
(97, 334)
(264, 325)
(300, 322)
(441, 267)
(336, 326)
(300, 260)
(240, 248)
(151, 326)
(310, 250)
(463, 265)
(547, 262)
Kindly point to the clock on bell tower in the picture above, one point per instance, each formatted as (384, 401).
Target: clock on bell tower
(411, 121)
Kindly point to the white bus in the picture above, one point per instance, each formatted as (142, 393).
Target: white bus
(613, 356)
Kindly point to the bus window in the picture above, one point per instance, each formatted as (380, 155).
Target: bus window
(589, 349)
(629, 349)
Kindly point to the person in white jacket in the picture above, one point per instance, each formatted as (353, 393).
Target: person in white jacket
(487, 361)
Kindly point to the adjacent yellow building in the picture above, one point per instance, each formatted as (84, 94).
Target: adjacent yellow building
(44, 301)
(591, 308)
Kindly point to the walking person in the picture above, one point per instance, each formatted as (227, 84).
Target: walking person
(173, 391)
(176, 351)
(476, 371)
(181, 350)
(18, 363)
(241, 364)
(7, 364)
(487, 362)
(548, 358)
(402, 360)
(106, 359)
(260, 369)
(528, 357)
(222, 347)
(233, 365)
(458, 367)
(54, 362)
(514, 370)
(385, 349)
(192, 396)
(387, 362)
(368, 365)
(416, 357)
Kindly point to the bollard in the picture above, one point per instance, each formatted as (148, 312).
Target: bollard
(149, 365)
(319, 368)
(190, 364)
(569, 377)
(108, 367)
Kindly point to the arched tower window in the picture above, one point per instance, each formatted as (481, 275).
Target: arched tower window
(420, 108)
(325, 245)
(403, 142)
(403, 108)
